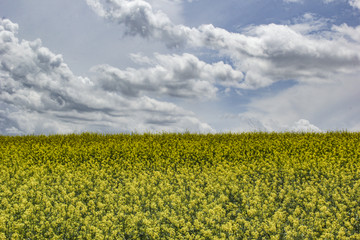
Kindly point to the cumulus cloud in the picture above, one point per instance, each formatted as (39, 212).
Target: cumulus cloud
(140, 19)
(173, 75)
(303, 51)
(252, 121)
(304, 125)
(256, 121)
(32, 76)
(331, 106)
(270, 53)
(350, 33)
(286, 53)
(355, 3)
(40, 94)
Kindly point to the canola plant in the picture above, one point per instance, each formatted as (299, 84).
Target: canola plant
(181, 186)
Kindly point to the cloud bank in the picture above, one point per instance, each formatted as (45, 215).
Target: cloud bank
(40, 94)
(183, 76)
(355, 3)
(309, 50)
(304, 51)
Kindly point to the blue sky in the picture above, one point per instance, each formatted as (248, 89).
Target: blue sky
(176, 65)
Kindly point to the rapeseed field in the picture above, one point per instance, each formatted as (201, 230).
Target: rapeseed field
(181, 186)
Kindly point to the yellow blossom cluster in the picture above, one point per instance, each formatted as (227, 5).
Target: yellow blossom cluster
(180, 186)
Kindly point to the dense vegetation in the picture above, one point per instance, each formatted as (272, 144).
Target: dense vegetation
(181, 186)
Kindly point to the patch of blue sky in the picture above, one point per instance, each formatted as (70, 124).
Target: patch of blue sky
(235, 15)
(237, 100)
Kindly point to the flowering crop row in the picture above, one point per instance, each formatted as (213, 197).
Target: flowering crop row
(181, 186)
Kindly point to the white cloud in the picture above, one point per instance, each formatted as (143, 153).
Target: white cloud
(347, 32)
(355, 3)
(173, 8)
(140, 19)
(310, 23)
(252, 122)
(285, 53)
(331, 106)
(42, 95)
(270, 53)
(172, 75)
(304, 125)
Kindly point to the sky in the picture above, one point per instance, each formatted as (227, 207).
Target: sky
(202, 66)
